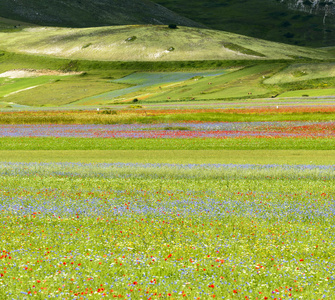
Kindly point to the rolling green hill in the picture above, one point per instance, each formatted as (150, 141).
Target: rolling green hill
(149, 43)
(86, 13)
(304, 23)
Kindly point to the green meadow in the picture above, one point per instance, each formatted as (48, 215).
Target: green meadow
(310, 93)
(279, 157)
(247, 143)
(302, 72)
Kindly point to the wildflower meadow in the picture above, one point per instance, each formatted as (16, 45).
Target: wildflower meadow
(84, 230)
(146, 154)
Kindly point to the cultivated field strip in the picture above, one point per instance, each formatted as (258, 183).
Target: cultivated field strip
(311, 129)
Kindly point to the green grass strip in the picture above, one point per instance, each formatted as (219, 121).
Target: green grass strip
(241, 117)
(50, 143)
(286, 157)
(12, 60)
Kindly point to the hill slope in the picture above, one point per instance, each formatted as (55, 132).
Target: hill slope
(86, 13)
(148, 43)
(288, 21)
(298, 22)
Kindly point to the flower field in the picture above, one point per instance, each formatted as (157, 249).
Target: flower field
(166, 231)
(177, 130)
(269, 135)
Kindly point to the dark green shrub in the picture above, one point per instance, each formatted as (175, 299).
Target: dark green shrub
(131, 39)
(72, 65)
(176, 128)
(86, 46)
(108, 112)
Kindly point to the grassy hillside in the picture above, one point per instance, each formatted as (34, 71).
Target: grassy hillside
(101, 87)
(86, 13)
(149, 43)
(239, 83)
(53, 90)
(303, 72)
(114, 65)
(266, 19)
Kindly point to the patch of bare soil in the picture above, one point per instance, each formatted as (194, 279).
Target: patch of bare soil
(23, 73)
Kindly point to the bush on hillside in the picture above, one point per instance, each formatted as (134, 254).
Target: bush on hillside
(108, 112)
(131, 39)
(86, 46)
(71, 66)
(135, 106)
